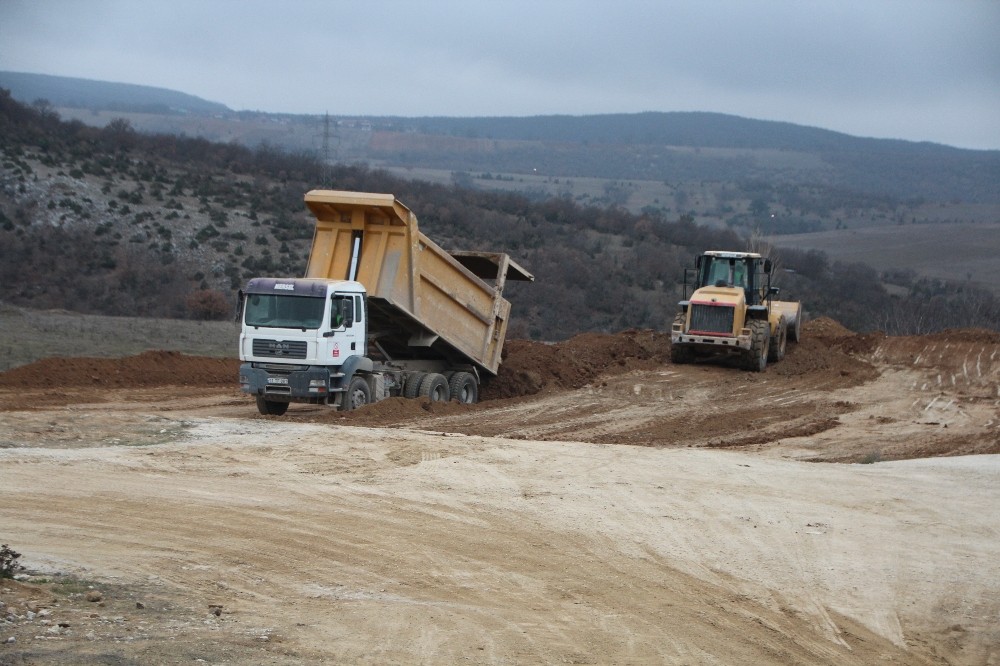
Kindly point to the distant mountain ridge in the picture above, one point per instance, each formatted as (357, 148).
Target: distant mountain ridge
(674, 128)
(89, 94)
(675, 149)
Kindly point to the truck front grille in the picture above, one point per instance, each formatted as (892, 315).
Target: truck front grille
(279, 348)
(717, 319)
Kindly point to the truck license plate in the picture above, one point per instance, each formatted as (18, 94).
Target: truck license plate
(277, 380)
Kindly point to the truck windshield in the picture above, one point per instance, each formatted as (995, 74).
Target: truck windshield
(274, 311)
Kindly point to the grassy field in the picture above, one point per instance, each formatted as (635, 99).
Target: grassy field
(948, 251)
(29, 335)
(634, 195)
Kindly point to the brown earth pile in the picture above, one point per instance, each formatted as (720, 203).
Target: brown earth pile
(824, 327)
(151, 368)
(529, 367)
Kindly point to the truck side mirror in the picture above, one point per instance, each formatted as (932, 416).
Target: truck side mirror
(767, 266)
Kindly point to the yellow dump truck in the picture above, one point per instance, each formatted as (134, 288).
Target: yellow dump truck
(733, 312)
(382, 311)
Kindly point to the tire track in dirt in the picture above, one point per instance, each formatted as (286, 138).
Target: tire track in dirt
(296, 554)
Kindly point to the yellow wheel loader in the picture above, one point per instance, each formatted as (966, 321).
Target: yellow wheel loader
(732, 311)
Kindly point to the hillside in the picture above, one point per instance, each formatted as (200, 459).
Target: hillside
(64, 91)
(687, 146)
(111, 221)
(713, 166)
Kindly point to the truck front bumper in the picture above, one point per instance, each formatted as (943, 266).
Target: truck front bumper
(292, 383)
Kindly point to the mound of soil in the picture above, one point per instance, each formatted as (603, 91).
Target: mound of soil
(825, 358)
(980, 336)
(827, 348)
(532, 367)
(151, 368)
(824, 327)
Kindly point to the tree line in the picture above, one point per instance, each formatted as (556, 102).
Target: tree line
(596, 268)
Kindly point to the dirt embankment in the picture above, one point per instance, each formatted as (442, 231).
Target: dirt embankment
(630, 391)
(528, 367)
(151, 368)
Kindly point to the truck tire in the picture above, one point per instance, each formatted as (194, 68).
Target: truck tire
(776, 352)
(681, 353)
(463, 388)
(411, 387)
(271, 407)
(358, 395)
(755, 358)
(435, 387)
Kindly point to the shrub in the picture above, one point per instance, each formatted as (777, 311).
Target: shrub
(207, 304)
(8, 561)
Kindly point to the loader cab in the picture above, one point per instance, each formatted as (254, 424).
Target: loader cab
(743, 270)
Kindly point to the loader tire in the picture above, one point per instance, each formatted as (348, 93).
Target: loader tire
(755, 358)
(463, 388)
(411, 387)
(271, 407)
(777, 350)
(680, 354)
(358, 395)
(795, 330)
(435, 387)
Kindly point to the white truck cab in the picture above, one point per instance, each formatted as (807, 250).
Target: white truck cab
(297, 335)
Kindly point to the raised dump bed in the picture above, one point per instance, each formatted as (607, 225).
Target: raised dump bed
(423, 302)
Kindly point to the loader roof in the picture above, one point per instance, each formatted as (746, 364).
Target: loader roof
(724, 254)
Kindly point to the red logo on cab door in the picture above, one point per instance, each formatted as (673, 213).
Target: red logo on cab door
(336, 350)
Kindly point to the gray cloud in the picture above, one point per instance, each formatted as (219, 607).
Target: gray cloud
(914, 69)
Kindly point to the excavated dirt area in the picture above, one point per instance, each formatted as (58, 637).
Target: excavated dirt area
(601, 505)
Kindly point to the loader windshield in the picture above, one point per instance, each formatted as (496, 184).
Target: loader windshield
(723, 272)
(274, 311)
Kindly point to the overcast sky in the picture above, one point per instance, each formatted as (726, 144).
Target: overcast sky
(923, 70)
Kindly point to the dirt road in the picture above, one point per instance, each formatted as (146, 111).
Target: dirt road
(605, 507)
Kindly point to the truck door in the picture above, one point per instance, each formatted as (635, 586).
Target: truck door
(348, 326)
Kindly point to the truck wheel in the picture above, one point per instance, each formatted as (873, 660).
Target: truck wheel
(271, 407)
(358, 395)
(463, 388)
(778, 342)
(435, 387)
(411, 388)
(755, 358)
